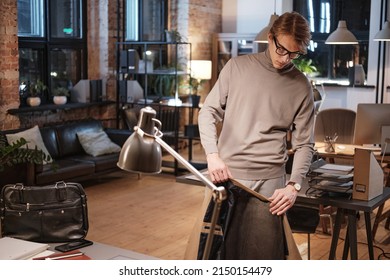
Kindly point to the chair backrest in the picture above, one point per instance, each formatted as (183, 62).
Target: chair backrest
(130, 116)
(335, 120)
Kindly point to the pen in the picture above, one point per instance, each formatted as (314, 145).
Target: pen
(65, 256)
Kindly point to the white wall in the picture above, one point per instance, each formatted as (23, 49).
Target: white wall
(250, 16)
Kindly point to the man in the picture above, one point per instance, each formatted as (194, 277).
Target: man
(258, 98)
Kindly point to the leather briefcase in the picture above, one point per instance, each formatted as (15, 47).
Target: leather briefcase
(52, 213)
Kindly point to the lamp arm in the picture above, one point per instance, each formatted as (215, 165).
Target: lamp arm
(218, 192)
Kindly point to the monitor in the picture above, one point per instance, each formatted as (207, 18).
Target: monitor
(370, 118)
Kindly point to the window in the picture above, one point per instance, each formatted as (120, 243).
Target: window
(334, 61)
(145, 20)
(30, 18)
(52, 44)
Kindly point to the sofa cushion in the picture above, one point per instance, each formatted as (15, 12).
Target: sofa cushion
(97, 143)
(33, 137)
(64, 170)
(68, 141)
(102, 163)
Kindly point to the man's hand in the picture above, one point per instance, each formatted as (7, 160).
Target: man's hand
(218, 170)
(282, 200)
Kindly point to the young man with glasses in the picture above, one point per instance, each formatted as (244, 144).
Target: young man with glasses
(258, 98)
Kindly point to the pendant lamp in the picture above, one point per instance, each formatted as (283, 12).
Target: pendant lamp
(341, 36)
(384, 34)
(262, 36)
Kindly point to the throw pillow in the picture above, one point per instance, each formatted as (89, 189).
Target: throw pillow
(33, 137)
(97, 143)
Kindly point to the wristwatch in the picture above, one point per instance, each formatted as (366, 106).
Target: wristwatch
(296, 186)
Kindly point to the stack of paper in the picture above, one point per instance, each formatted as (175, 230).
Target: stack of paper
(334, 169)
(17, 249)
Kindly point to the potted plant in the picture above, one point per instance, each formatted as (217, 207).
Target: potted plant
(305, 66)
(12, 154)
(173, 36)
(35, 92)
(195, 98)
(60, 95)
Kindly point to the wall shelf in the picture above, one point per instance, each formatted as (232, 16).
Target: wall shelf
(54, 107)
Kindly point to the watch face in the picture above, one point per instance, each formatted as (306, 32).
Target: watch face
(297, 187)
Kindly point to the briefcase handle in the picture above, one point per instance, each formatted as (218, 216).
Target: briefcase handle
(60, 186)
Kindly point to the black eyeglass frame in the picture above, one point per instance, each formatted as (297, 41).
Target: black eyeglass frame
(280, 50)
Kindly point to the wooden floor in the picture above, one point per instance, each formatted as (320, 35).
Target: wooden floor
(154, 215)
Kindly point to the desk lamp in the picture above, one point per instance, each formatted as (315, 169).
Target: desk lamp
(141, 153)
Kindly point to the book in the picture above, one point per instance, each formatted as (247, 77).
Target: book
(18, 249)
(71, 255)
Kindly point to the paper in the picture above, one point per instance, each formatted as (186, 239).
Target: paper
(17, 249)
(334, 169)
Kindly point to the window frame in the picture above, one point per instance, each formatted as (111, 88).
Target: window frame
(337, 13)
(48, 43)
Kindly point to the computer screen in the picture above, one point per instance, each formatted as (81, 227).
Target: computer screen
(370, 118)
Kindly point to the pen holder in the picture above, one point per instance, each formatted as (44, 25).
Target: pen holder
(329, 146)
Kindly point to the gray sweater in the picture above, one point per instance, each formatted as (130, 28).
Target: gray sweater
(257, 104)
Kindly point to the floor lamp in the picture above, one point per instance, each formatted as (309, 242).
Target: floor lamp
(141, 153)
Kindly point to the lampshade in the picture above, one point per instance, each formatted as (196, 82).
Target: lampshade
(341, 36)
(141, 153)
(384, 34)
(201, 69)
(262, 36)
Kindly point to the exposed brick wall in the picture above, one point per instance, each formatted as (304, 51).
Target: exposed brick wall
(9, 63)
(199, 19)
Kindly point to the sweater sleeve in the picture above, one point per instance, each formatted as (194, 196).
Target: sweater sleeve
(303, 140)
(213, 111)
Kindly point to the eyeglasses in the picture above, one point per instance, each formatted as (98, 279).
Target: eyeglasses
(280, 50)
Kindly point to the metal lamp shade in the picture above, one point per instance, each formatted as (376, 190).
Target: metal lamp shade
(384, 34)
(141, 155)
(341, 36)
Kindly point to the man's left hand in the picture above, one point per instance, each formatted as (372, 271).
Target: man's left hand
(282, 200)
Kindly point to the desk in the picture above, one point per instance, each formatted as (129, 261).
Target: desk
(350, 207)
(345, 151)
(344, 206)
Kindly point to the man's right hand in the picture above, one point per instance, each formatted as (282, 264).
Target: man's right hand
(218, 170)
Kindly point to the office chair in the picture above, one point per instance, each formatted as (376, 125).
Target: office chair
(130, 116)
(335, 120)
(303, 219)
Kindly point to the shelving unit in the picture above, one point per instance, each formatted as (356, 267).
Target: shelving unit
(228, 45)
(54, 107)
(156, 68)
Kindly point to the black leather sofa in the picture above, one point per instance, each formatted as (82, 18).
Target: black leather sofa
(70, 161)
